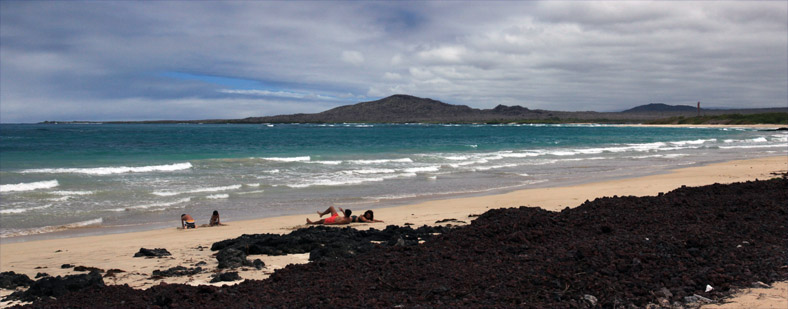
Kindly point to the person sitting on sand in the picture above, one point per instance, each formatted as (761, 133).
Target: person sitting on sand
(368, 216)
(335, 217)
(187, 222)
(214, 219)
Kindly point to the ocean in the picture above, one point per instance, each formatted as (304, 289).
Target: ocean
(63, 180)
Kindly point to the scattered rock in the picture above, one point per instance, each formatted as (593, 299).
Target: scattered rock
(88, 269)
(158, 252)
(177, 271)
(258, 264)
(58, 286)
(11, 280)
(232, 258)
(39, 275)
(113, 272)
(229, 276)
(449, 220)
(64, 266)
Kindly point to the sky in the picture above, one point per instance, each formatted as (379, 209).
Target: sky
(179, 60)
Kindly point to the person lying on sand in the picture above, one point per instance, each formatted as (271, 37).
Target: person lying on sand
(368, 216)
(334, 219)
(187, 222)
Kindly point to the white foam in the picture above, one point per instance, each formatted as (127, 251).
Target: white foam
(70, 193)
(29, 186)
(493, 167)
(217, 196)
(371, 171)
(344, 179)
(423, 169)
(754, 146)
(157, 206)
(780, 138)
(694, 142)
(113, 170)
(200, 190)
(51, 229)
(22, 210)
(252, 184)
(758, 140)
(289, 159)
(381, 161)
(327, 162)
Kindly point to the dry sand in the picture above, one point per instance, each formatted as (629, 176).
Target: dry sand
(189, 247)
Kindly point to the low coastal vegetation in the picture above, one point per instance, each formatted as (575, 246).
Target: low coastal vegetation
(763, 118)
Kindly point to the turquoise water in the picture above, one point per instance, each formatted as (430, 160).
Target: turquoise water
(104, 178)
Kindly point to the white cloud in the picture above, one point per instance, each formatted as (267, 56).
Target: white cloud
(352, 57)
(392, 76)
(591, 55)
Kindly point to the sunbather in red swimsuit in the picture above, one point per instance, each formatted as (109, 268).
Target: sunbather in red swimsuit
(331, 219)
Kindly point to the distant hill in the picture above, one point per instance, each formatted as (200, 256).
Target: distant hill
(405, 108)
(661, 107)
(401, 108)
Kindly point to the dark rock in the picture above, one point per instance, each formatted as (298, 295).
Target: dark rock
(519, 257)
(232, 258)
(88, 269)
(66, 266)
(177, 271)
(58, 286)
(11, 280)
(158, 252)
(39, 275)
(258, 264)
(113, 272)
(229, 276)
(326, 243)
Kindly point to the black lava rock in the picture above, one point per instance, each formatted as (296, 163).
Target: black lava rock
(58, 286)
(11, 280)
(158, 252)
(230, 276)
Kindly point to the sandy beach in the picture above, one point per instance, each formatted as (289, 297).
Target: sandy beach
(189, 247)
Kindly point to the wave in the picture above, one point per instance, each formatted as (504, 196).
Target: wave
(289, 159)
(200, 190)
(217, 196)
(70, 193)
(381, 161)
(112, 170)
(22, 210)
(29, 186)
(157, 206)
(371, 171)
(754, 146)
(50, 229)
(423, 169)
(341, 179)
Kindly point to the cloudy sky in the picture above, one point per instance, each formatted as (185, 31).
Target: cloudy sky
(129, 60)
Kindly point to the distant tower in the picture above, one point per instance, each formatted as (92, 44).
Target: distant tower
(698, 108)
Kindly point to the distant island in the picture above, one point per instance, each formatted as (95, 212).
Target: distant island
(402, 108)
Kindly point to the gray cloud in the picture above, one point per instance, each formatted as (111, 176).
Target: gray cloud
(195, 60)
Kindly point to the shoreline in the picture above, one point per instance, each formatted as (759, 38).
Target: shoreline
(188, 247)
